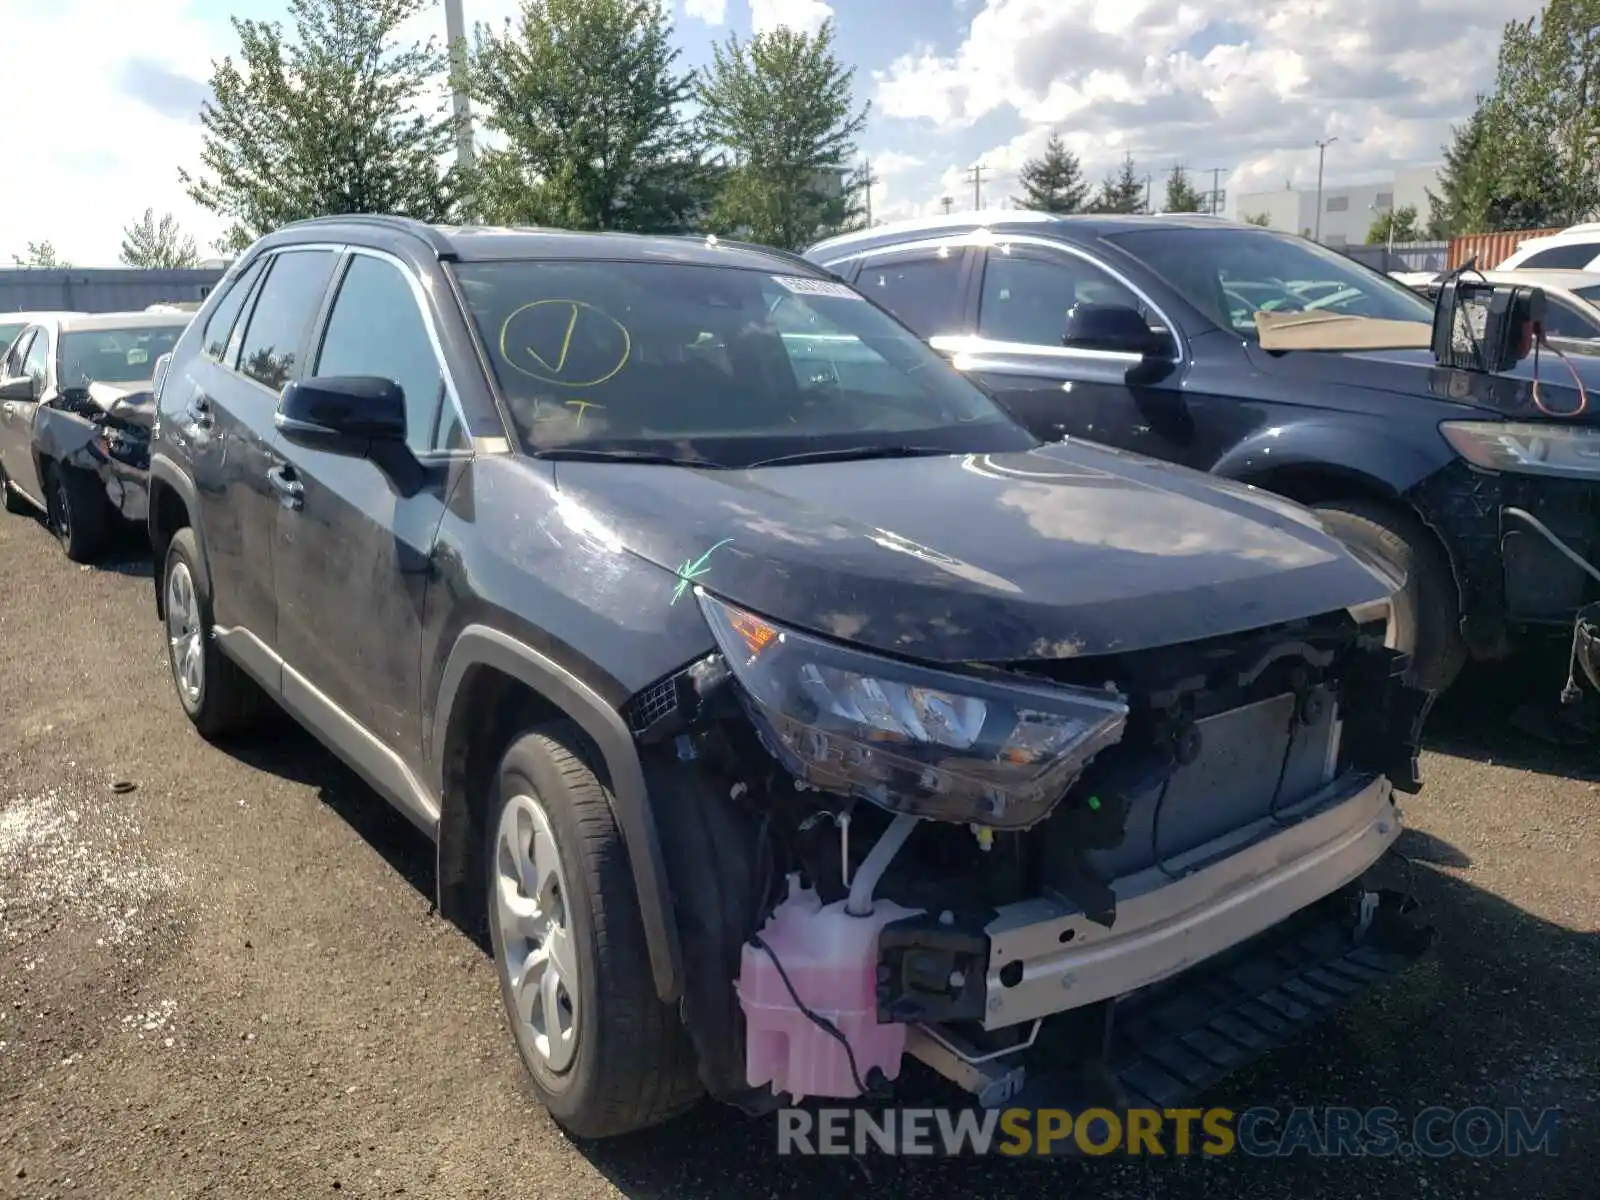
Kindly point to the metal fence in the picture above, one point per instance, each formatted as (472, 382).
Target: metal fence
(118, 289)
(1402, 256)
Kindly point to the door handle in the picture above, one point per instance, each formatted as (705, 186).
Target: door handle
(291, 492)
(200, 412)
(9, 408)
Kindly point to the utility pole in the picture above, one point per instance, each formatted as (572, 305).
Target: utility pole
(976, 175)
(1216, 188)
(455, 24)
(1322, 154)
(1147, 180)
(868, 180)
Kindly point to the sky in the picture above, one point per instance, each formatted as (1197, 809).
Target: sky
(1246, 87)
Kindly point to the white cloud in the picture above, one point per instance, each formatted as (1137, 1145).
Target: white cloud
(1245, 85)
(711, 12)
(804, 15)
(120, 123)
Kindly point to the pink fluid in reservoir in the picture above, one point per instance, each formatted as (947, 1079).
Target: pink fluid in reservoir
(831, 958)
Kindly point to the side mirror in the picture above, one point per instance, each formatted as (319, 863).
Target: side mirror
(20, 388)
(343, 414)
(158, 374)
(1113, 327)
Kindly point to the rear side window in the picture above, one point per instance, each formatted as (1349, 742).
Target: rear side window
(920, 291)
(287, 302)
(376, 328)
(1574, 257)
(220, 324)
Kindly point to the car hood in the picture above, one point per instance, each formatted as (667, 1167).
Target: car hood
(1416, 373)
(133, 403)
(1070, 549)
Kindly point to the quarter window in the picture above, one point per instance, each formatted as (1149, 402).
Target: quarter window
(284, 308)
(18, 352)
(377, 329)
(37, 364)
(221, 322)
(922, 292)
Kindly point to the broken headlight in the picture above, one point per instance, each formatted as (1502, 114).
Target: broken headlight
(1572, 451)
(912, 739)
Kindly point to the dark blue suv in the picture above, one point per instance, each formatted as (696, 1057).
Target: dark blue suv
(1141, 332)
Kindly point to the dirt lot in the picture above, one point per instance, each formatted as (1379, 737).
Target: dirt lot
(220, 974)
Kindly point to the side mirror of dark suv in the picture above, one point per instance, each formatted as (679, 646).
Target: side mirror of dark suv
(345, 414)
(1114, 327)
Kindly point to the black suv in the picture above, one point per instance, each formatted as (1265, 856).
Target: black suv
(1141, 332)
(782, 706)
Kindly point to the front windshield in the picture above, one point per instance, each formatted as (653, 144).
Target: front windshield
(714, 363)
(1591, 294)
(1232, 274)
(115, 355)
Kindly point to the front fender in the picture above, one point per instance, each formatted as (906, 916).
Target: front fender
(479, 645)
(1371, 454)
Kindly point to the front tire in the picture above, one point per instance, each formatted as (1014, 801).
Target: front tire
(604, 1054)
(80, 514)
(1424, 619)
(217, 696)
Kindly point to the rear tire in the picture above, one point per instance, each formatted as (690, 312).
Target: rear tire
(1425, 619)
(216, 694)
(80, 514)
(605, 1056)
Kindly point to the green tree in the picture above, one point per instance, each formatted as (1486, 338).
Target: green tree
(1183, 196)
(1260, 219)
(1468, 180)
(1529, 156)
(344, 118)
(1053, 182)
(1121, 192)
(41, 255)
(588, 99)
(1396, 225)
(161, 244)
(782, 106)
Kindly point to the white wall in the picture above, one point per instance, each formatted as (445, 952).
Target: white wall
(1348, 211)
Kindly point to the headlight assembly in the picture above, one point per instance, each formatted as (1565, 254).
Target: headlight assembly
(912, 739)
(1572, 451)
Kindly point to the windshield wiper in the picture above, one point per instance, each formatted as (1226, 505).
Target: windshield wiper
(583, 454)
(852, 452)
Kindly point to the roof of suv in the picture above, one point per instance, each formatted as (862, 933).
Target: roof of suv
(1023, 221)
(485, 243)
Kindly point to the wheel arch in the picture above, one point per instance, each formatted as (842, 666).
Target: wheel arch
(1314, 483)
(494, 686)
(173, 504)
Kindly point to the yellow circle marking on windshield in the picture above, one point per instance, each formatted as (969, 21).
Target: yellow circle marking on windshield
(576, 311)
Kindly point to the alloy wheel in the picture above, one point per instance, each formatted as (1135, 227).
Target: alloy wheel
(185, 641)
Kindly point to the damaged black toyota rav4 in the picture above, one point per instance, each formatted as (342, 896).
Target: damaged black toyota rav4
(782, 707)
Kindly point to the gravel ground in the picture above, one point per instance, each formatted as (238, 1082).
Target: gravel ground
(220, 974)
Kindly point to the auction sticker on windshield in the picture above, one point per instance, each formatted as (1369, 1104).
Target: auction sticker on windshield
(801, 286)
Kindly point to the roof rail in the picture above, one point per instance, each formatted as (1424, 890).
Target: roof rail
(421, 230)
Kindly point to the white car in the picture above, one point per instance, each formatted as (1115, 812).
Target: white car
(1576, 248)
(1572, 315)
(13, 323)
